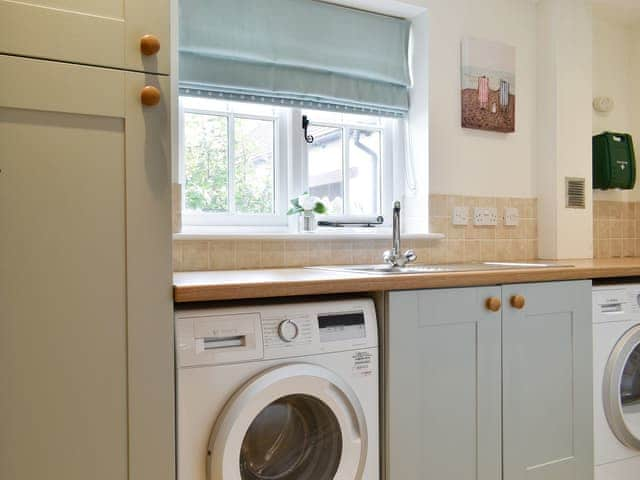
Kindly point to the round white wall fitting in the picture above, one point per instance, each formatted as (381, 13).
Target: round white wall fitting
(603, 104)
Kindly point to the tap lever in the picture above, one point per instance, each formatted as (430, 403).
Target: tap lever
(410, 256)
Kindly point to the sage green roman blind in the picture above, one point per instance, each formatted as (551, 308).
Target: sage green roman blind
(302, 53)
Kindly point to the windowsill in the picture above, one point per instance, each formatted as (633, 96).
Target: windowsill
(323, 233)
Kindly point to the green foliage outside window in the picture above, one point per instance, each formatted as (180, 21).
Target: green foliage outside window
(254, 166)
(206, 157)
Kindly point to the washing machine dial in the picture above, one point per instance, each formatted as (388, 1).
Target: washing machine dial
(287, 331)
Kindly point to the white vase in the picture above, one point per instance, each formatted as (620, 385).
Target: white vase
(307, 222)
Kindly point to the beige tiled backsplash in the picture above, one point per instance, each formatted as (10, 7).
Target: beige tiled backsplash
(462, 244)
(176, 210)
(616, 229)
(469, 243)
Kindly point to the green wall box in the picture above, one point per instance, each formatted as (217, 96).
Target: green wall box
(614, 162)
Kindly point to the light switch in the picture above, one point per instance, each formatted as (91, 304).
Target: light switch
(460, 216)
(511, 216)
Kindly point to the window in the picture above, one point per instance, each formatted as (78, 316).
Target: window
(241, 163)
(345, 163)
(230, 163)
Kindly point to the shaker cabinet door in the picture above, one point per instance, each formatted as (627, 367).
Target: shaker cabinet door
(86, 311)
(443, 389)
(547, 378)
(92, 32)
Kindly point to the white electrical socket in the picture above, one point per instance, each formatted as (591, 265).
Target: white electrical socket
(511, 216)
(460, 216)
(485, 216)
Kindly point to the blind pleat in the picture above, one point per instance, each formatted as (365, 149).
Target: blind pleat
(300, 52)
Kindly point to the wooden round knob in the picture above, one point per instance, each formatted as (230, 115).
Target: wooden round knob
(150, 96)
(517, 301)
(493, 304)
(149, 45)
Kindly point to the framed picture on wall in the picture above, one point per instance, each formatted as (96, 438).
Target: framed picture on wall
(488, 85)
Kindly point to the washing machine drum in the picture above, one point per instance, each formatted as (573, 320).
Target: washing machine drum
(295, 437)
(622, 389)
(294, 422)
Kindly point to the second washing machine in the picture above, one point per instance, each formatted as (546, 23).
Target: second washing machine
(616, 336)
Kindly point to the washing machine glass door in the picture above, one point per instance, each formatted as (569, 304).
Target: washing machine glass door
(293, 422)
(622, 389)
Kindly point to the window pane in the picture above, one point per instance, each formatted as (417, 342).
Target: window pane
(325, 167)
(253, 165)
(364, 172)
(206, 162)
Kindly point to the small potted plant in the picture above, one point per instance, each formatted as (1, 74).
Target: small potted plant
(306, 206)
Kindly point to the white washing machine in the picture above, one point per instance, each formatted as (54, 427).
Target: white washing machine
(616, 336)
(278, 392)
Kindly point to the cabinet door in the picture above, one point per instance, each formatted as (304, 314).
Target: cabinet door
(547, 378)
(443, 389)
(85, 278)
(95, 32)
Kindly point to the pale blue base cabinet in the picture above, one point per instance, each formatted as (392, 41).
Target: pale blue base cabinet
(476, 391)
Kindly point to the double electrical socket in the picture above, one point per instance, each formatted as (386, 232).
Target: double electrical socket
(483, 216)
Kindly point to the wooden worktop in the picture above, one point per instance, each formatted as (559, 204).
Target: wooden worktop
(242, 284)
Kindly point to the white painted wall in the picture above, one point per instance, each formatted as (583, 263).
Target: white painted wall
(616, 53)
(553, 40)
(547, 121)
(574, 228)
(416, 174)
(471, 162)
(564, 125)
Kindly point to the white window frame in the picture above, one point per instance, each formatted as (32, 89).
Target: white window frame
(386, 179)
(291, 168)
(276, 219)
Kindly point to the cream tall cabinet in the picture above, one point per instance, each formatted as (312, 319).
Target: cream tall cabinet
(86, 366)
(108, 33)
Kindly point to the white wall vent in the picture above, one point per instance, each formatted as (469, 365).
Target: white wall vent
(575, 192)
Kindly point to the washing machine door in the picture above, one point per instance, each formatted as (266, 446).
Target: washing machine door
(622, 389)
(293, 422)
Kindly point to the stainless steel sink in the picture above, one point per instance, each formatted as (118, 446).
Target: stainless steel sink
(383, 269)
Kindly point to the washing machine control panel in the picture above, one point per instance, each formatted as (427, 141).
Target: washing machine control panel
(319, 327)
(614, 304)
(213, 336)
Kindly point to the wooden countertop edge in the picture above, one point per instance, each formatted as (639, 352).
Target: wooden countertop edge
(331, 283)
